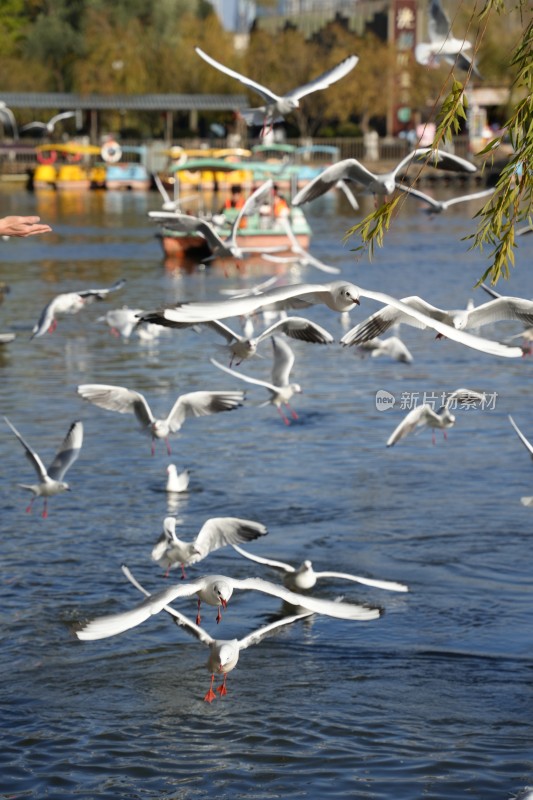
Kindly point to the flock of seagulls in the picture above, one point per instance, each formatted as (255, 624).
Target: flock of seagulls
(340, 297)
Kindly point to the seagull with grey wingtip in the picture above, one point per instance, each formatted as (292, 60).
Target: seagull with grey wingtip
(217, 590)
(223, 653)
(280, 388)
(170, 551)
(50, 481)
(304, 577)
(442, 43)
(69, 303)
(425, 414)
(378, 184)
(277, 106)
(339, 296)
(128, 401)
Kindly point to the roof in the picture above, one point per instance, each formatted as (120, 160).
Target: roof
(136, 102)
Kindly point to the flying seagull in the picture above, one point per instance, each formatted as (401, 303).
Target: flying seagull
(223, 653)
(216, 590)
(304, 577)
(438, 206)
(339, 296)
(127, 401)
(69, 303)
(277, 106)
(220, 248)
(48, 127)
(169, 551)
(382, 184)
(280, 389)
(51, 480)
(442, 43)
(426, 415)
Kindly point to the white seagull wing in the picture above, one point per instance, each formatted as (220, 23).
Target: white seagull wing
(223, 330)
(391, 586)
(250, 205)
(117, 398)
(243, 377)
(325, 79)
(265, 93)
(439, 27)
(475, 342)
(319, 606)
(68, 452)
(501, 308)
(162, 190)
(283, 362)
(220, 531)
(99, 294)
(386, 317)
(179, 618)
(417, 416)
(113, 624)
(298, 328)
(260, 633)
(31, 455)
(349, 169)
(298, 295)
(201, 404)
(280, 565)
(527, 444)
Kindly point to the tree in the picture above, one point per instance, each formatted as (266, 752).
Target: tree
(513, 197)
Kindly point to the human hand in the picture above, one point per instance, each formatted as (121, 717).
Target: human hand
(22, 226)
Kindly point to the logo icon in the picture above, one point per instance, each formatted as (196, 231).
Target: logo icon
(384, 400)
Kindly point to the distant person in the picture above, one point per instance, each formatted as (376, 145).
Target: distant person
(280, 207)
(22, 226)
(235, 200)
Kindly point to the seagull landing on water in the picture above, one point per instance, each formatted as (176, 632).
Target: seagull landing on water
(223, 653)
(216, 590)
(424, 415)
(51, 480)
(277, 106)
(304, 577)
(69, 303)
(127, 401)
(171, 552)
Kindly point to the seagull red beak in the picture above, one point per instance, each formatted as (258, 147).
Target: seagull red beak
(223, 603)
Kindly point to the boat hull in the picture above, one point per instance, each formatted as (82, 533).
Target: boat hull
(261, 233)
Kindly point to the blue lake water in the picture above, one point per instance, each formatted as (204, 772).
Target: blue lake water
(433, 700)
